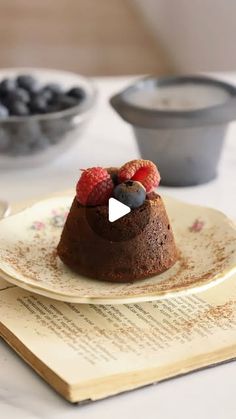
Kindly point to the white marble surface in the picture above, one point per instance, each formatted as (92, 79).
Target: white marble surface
(206, 394)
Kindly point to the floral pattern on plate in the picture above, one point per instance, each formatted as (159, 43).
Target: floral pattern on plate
(28, 256)
(57, 219)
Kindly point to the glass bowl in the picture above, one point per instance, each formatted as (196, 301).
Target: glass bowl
(29, 141)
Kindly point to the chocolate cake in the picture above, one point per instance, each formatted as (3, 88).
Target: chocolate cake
(136, 246)
(136, 255)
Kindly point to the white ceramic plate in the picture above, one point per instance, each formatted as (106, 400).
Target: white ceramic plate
(205, 237)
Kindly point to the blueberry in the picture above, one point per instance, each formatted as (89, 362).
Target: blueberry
(77, 93)
(65, 102)
(47, 94)
(28, 132)
(6, 86)
(19, 142)
(27, 82)
(50, 92)
(54, 130)
(18, 108)
(54, 88)
(3, 111)
(53, 107)
(38, 104)
(41, 144)
(23, 95)
(26, 138)
(18, 94)
(18, 149)
(130, 193)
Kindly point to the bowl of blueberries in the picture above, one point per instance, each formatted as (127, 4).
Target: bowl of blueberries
(42, 114)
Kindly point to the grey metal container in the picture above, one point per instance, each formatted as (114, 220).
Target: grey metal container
(185, 144)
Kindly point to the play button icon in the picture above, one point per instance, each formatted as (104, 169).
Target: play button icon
(116, 210)
(115, 221)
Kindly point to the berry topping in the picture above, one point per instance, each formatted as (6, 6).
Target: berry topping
(131, 193)
(143, 171)
(94, 187)
(113, 172)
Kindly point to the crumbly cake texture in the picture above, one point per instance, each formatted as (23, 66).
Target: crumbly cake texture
(130, 253)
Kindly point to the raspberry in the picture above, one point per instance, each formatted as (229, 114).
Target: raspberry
(144, 171)
(94, 187)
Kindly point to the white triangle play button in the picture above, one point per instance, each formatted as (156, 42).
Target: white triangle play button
(116, 210)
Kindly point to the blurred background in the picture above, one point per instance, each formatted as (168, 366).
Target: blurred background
(115, 37)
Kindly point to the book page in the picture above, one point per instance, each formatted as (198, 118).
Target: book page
(82, 343)
(4, 284)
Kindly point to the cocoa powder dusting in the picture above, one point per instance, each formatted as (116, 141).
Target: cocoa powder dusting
(201, 260)
(220, 314)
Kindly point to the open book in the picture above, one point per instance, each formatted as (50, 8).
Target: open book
(87, 352)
